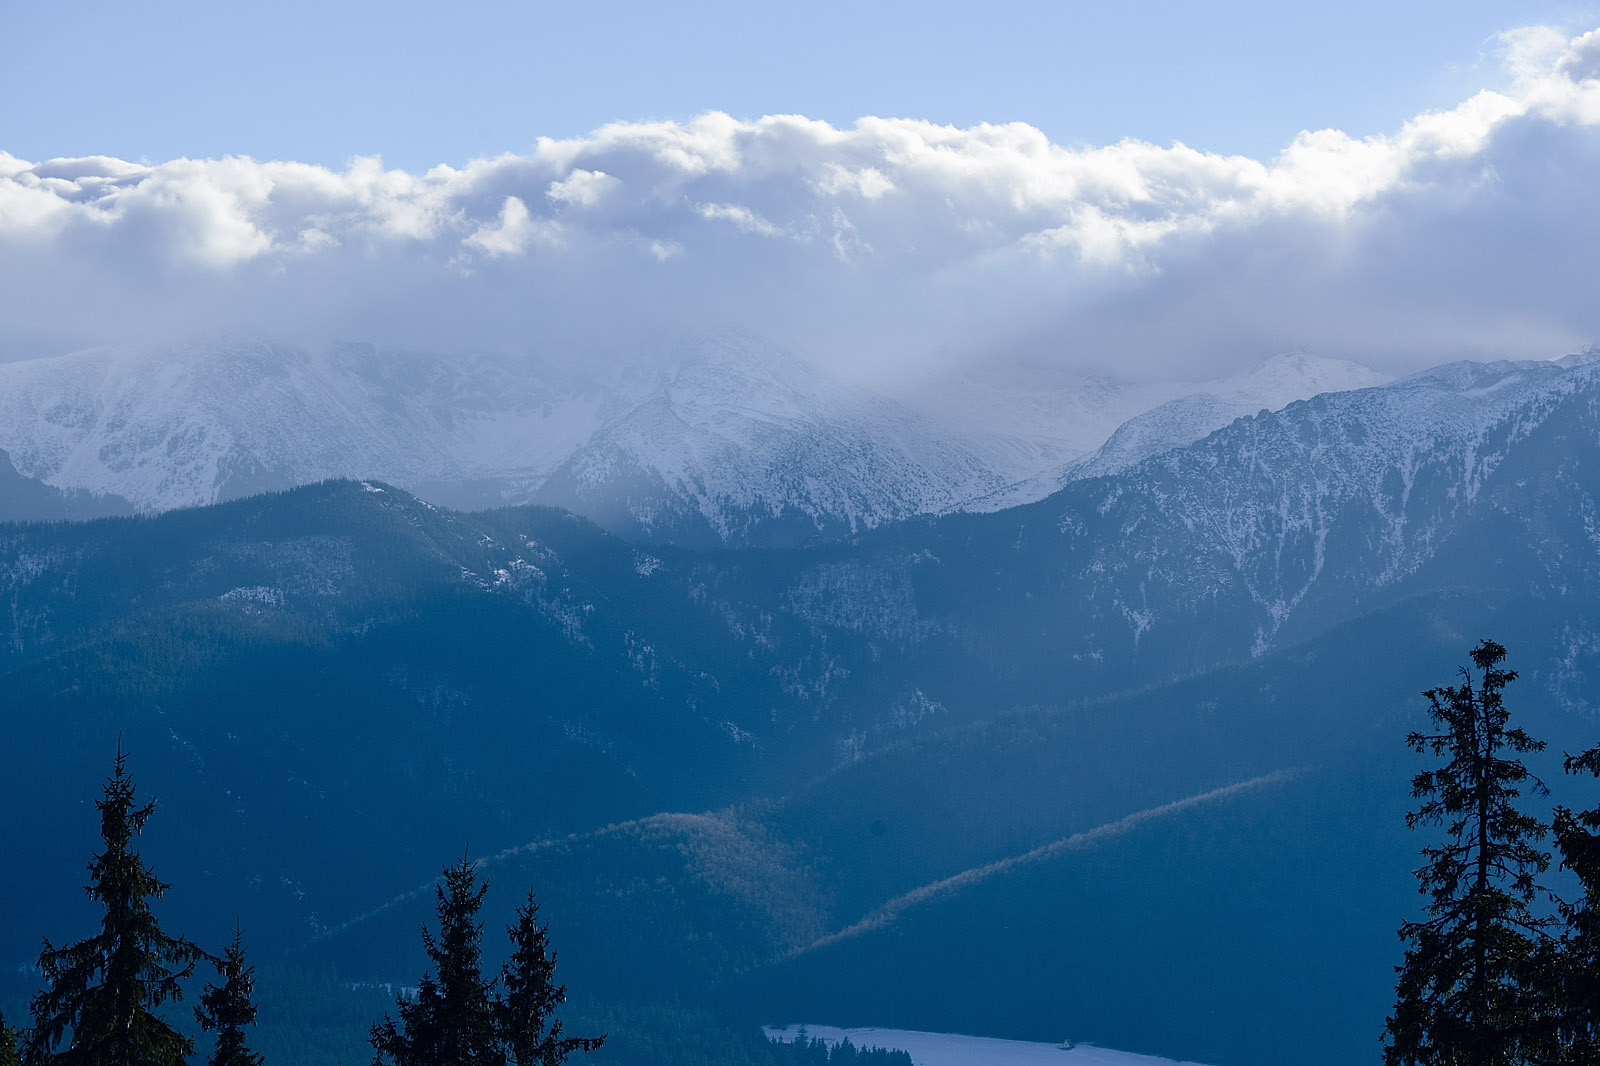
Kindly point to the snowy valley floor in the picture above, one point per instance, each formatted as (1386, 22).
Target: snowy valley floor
(948, 1049)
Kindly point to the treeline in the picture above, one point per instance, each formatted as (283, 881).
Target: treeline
(108, 998)
(1500, 971)
(676, 1035)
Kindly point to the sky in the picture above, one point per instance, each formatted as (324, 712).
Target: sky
(1162, 188)
(428, 83)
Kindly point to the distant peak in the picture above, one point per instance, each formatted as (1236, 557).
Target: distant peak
(1309, 365)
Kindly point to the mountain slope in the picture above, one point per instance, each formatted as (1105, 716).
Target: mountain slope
(1270, 386)
(1174, 423)
(1266, 531)
(744, 444)
(206, 421)
(1058, 870)
(24, 499)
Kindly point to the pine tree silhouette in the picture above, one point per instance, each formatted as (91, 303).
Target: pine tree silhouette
(1573, 971)
(529, 996)
(101, 993)
(227, 1008)
(1468, 991)
(451, 1021)
(10, 1054)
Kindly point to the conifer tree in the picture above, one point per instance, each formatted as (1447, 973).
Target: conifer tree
(451, 1022)
(1574, 972)
(228, 1008)
(529, 996)
(1467, 990)
(10, 1055)
(100, 994)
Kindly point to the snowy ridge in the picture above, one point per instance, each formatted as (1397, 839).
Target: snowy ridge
(722, 433)
(1270, 386)
(724, 439)
(1174, 423)
(1029, 421)
(740, 432)
(1379, 477)
(193, 424)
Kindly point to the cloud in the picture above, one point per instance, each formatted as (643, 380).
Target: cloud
(869, 183)
(584, 188)
(1466, 231)
(515, 230)
(742, 217)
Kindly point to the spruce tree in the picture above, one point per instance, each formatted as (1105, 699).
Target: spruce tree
(529, 996)
(414, 1040)
(451, 1022)
(10, 1055)
(100, 994)
(227, 1008)
(1467, 990)
(1574, 970)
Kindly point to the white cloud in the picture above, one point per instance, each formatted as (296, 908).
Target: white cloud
(583, 188)
(514, 231)
(1531, 52)
(664, 250)
(869, 183)
(742, 217)
(1463, 230)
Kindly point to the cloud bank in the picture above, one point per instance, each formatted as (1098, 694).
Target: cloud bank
(886, 245)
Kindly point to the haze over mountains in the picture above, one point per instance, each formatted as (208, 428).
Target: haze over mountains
(1022, 772)
(720, 440)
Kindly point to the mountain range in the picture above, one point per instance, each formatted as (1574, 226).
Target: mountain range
(725, 440)
(1124, 763)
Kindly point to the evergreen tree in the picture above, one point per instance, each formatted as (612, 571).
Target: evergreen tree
(451, 1022)
(1466, 994)
(101, 994)
(9, 1038)
(1574, 970)
(529, 996)
(228, 1008)
(414, 1040)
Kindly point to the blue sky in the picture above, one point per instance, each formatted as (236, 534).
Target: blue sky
(1156, 189)
(426, 83)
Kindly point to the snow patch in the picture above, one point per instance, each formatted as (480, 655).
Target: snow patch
(950, 1049)
(266, 595)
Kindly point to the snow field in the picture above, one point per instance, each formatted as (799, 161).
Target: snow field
(950, 1049)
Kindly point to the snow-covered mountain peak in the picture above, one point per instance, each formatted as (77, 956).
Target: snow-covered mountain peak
(1346, 493)
(705, 440)
(1588, 355)
(740, 435)
(1297, 375)
(1270, 385)
(718, 431)
(191, 423)
(1174, 421)
(733, 372)
(1467, 376)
